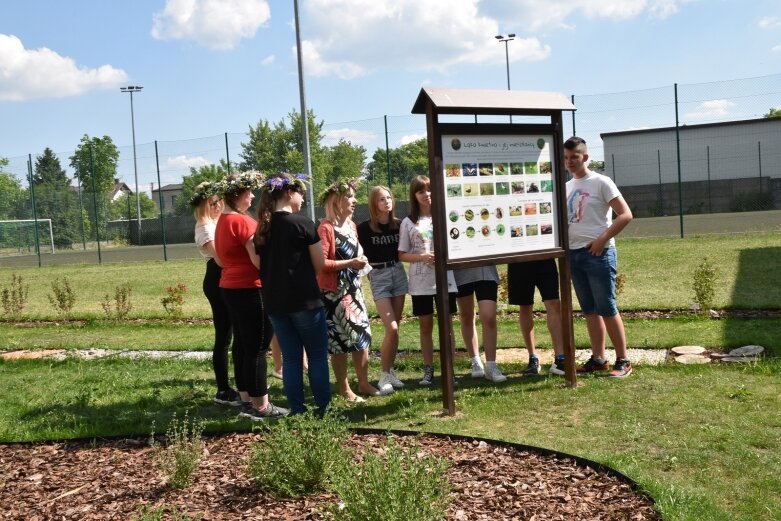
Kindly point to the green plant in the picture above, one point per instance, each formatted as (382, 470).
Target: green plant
(121, 306)
(704, 285)
(174, 299)
(299, 455)
(392, 484)
(179, 458)
(14, 298)
(62, 297)
(148, 513)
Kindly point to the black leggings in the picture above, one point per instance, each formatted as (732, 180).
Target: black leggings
(222, 326)
(252, 334)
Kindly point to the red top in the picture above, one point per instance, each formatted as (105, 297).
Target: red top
(327, 280)
(230, 239)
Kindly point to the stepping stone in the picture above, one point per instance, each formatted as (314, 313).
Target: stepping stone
(688, 350)
(747, 351)
(740, 359)
(718, 355)
(692, 359)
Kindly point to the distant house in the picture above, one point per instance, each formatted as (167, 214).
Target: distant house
(170, 194)
(118, 190)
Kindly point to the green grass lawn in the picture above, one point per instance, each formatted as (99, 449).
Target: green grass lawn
(705, 441)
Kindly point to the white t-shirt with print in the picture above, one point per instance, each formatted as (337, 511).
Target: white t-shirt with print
(588, 208)
(419, 238)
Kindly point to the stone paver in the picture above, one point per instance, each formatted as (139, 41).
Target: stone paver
(746, 351)
(688, 350)
(692, 359)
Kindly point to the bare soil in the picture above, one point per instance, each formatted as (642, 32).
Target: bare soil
(79, 480)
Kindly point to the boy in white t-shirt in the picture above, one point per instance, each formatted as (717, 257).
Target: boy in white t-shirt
(591, 200)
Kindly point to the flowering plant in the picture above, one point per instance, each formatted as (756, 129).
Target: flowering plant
(204, 191)
(250, 180)
(282, 181)
(340, 186)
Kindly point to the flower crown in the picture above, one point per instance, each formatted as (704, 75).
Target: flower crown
(341, 186)
(282, 182)
(204, 191)
(250, 180)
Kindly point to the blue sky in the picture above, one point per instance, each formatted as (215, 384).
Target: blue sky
(215, 66)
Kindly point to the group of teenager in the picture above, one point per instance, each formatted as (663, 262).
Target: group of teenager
(279, 279)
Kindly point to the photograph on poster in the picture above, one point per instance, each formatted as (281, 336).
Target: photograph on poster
(453, 170)
(507, 191)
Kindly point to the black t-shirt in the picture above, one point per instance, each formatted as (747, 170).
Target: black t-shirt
(379, 247)
(286, 271)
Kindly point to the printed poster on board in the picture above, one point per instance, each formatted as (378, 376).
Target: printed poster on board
(499, 194)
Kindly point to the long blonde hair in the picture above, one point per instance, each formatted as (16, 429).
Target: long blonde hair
(374, 211)
(331, 206)
(203, 193)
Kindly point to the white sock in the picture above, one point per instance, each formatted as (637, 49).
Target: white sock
(490, 365)
(476, 360)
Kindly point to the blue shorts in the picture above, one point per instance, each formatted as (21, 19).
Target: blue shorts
(388, 282)
(594, 280)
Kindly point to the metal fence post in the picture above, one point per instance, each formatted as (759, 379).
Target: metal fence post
(387, 153)
(160, 198)
(35, 212)
(678, 155)
(95, 202)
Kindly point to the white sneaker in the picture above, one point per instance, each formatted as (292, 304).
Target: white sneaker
(494, 374)
(477, 369)
(384, 385)
(394, 380)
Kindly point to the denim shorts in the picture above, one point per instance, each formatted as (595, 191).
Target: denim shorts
(388, 282)
(594, 280)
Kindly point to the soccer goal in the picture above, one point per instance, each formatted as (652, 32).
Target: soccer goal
(19, 236)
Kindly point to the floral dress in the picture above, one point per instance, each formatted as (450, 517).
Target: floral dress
(348, 320)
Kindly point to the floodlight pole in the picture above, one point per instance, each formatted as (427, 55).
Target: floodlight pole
(304, 117)
(505, 39)
(131, 89)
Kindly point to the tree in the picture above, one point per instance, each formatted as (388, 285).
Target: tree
(11, 193)
(197, 176)
(596, 165)
(773, 113)
(406, 162)
(124, 207)
(345, 160)
(55, 200)
(103, 162)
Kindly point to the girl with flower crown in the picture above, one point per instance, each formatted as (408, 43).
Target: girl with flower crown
(340, 282)
(290, 259)
(207, 206)
(240, 287)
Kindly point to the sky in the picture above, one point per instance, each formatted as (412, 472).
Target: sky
(210, 67)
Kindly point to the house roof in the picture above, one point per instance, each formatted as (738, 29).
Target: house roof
(693, 127)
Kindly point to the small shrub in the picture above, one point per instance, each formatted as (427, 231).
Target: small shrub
(174, 299)
(147, 513)
(121, 306)
(62, 297)
(704, 285)
(14, 297)
(179, 459)
(299, 455)
(395, 485)
(620, 283)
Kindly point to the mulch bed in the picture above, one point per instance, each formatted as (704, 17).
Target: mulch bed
(112, 479)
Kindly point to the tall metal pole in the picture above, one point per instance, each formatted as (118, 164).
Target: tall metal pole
(304, 116)
(131, 89)
(505, 40)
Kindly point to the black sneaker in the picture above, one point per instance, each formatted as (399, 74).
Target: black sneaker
(592, 366)
(621, 369)
(533, 369)
(557, 367)
(228, 397)
(271, 412)
(428, 376)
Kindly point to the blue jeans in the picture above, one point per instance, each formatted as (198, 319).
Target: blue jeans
(594, 280)
(299, 332)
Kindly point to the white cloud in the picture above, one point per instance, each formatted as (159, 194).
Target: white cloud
(776, 48)
(42, 73)
(354, 136)
(184, 163)
(350, 38)
(769, 22)
(268, 60)
(409, 138)
(216, 24)
(717, 108)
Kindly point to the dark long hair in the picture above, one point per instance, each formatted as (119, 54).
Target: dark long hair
(274, 189)
(418, 183)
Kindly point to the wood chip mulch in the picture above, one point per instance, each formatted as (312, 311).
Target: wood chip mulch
(113, 479)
